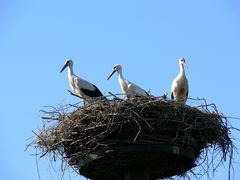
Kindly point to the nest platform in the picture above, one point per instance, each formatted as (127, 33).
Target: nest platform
(149, 136)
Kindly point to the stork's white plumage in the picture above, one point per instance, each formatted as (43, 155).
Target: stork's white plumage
(179, 91)
(81, 87)
(130, 89)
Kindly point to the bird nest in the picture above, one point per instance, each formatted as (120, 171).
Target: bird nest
(104, 140)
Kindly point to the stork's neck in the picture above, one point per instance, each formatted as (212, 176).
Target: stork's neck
(70, 71)
(182, 71)
(120, 76)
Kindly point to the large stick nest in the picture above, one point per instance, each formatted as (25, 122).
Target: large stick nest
(74, 135)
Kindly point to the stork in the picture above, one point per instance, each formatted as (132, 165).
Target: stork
(129, 89)
(179, 90)
(81, 88)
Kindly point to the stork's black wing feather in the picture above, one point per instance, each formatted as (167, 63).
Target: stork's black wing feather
(147, 93)
(92, 93)
(172, 97)
(187, 95)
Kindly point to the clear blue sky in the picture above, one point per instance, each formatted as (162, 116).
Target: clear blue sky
(146, 37)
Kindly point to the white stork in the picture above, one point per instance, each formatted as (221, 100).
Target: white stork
(130, 89)
(81, 88)
(179, 91)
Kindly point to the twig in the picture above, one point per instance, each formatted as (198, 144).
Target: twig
(74, 94)
(115, 97)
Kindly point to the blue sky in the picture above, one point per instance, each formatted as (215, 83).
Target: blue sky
(146, 37)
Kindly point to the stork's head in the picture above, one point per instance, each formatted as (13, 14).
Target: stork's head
(116, 68)
(67, 63)
(182, 62)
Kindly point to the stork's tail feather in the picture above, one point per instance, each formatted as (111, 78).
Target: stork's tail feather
(172, 97)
